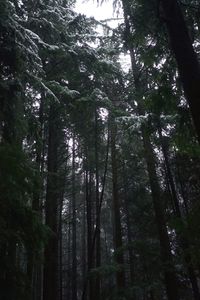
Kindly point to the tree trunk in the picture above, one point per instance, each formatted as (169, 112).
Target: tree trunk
(184, 243)
(74, 254)
(83, 250)
(34, 270)
(90, 232)
(98, 240)
(60, 249)
(50, 289)
(187, 61)
(11, 137)
(98, 214)
(69, 247)
(60, 234)
(117, 230)
(130, 248)
(166, 256)
(128, 226)
(90, 259)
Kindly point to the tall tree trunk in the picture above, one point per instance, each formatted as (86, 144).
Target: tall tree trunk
(60, 249)
(11, 137)
(130, 248)
(69, 257)
(98, 220)
(74, 252)
(166, 256)
(187, 61)
(34, 270)
(60, 234)
(8, 287)
(93, 240)
(50, 289)
(83, 250)
(128, 226)
(90, 255)
(184, 243)
(90, 245)
(89, 235)
(117, 229)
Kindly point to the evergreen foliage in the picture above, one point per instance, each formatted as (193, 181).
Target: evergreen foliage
(99, 166)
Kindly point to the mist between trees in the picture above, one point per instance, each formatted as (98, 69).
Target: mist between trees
(99, 164)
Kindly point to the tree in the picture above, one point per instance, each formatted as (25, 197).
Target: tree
(186, 58)
(99, 167)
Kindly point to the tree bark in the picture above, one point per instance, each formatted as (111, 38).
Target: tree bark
(90, 259)
(166, 256)
(60, 249)
(89, 237)
(98, 219)
(128, 225)
(117, 229)
(186, 58)
(74, 247)
(98, 216)
(184, 243)
(83, 250)
(34, 270)
(60, 234)
(50, 288)
(165, 249)
(69, 257)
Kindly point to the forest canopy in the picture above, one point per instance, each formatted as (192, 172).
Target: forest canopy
(99, 164)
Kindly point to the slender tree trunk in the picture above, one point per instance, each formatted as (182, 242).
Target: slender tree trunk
(117, 229)
(91, 259)
(183, 191)
(60, 250)
(60, 235)
(74, 251)
(34, 270)
(69, 255)
(83, 251)
(128, 225)
(98, 220)
(50, 290)
(187, 61)
(184, 243)
(90, 256)
(169, 271)
(169, 174)
(89, 235)
(166, 256)
(130, 249)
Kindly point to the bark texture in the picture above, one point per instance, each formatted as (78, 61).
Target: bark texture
(50, 289)
(188, 64)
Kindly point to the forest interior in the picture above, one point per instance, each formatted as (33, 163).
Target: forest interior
(100, 162)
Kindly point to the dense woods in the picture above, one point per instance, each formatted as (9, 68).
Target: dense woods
(99, 163)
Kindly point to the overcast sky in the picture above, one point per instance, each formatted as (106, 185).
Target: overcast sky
(90, 8)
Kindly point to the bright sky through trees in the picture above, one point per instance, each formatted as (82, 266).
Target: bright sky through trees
(102, 12)
(93, 9)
